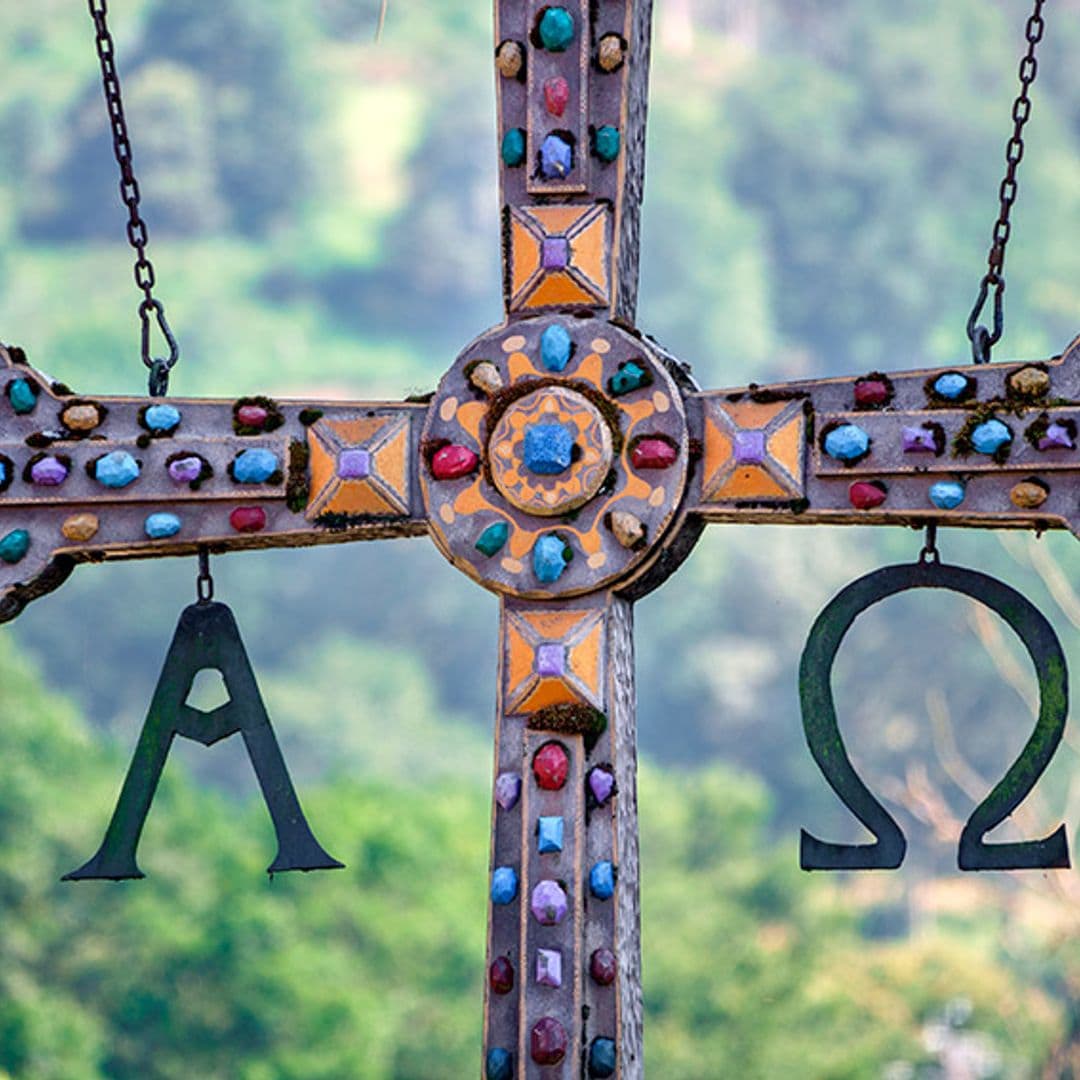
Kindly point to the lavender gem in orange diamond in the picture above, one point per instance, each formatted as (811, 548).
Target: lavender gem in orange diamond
(354, 464)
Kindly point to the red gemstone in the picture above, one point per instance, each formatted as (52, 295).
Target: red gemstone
(550, 766)
(865, 495)
(252, 415)
(556, 95)
(602, 967)
(548, 1041)
(653, 454)
(248, 519)
(453, 462)
(871, 392)
(501, 976)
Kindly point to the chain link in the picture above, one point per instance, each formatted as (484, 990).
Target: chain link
(151, 310)
(982, 339)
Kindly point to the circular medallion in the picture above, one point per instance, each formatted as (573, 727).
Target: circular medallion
(574, 455)
(550, 451)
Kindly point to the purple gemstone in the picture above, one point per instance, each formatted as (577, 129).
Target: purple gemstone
(507, 790)
(185, 470)
(549, 904)
(549, 967)
(1056, 437)
(48, 472)
(919, 440)
(551, 660)
(601, 784)
(354, 464)
(749, 447)
(555, 252)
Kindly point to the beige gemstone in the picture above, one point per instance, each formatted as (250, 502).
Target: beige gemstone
(81, 417)
(610, 54)
(1030, 382)
(1028, 494)
(80, 527)
(486, 378)
(509, 59)
(628, 529)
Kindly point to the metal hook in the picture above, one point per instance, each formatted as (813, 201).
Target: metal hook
(982, 340)
(930, 553)
(159, 368)
(204, 583)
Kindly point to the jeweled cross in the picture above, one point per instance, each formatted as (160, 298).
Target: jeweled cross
(568, 464)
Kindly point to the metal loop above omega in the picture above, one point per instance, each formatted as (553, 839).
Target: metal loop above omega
(554, 456)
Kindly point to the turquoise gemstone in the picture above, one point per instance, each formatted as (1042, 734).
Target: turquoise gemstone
(556, 29)
(162, 418)
(160, 526)
(116, 470)
(630, 376)
(254, 466)
(602, 1058)
(547, 449)
(551, 556)
(549, 835)
(499, 1065)
(951, 385)
(3, 474)
(14, 546)
(555, 347)
(847, 443)
(504, 885)
(493, 538)
(947, 494)
(990, 437)
(607, 142)
(513, 147)
(22, 396)
(602, 880)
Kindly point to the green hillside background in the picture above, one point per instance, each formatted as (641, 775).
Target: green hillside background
(822, 181)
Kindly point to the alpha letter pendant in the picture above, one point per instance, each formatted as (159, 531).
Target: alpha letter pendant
(206, 637)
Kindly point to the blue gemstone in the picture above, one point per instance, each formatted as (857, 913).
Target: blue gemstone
(162, 417)
(14, 546)
(550, 558)
(493, 538)
(602, 880)
(602, 1058)
(951, 385)
(116, 470)
(3, 474)
(556, 158)
(947, 494)
(547, 449)
(606, 143)
(549, 835)
(254, 466)
(847, 443)
(504, 884)
(499, 1065)
(22, 396)
(555, 347)
(556, 29)
(160, 526)
(990, 437)
(513, 147)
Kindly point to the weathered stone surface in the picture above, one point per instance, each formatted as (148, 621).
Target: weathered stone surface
(82, 417)
(486, 378)
(610, 53)
(627, 528)
(509, 59)
(1029, 494)
(80, 527)
(1030, 382)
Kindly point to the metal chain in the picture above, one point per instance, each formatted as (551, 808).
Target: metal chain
(151, 309)
(982, 339)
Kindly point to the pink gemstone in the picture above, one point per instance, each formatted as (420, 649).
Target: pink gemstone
(653, 453)
(871, 392)
(548, 1041)
(248, 519)
(865, 495)
(602, 967)
(252, 415)
(501, 976)
(550, 767)
(453, 462)
(556, 95)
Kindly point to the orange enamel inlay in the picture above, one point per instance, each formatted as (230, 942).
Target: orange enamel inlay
(636, 488)
(588, 253)
(553, 625)
(786, 447)
(361, 430)
(524, 256)
(585, 660)
(591, 370)
(521, 542)
(557, 219)
(753, 414)
(391, 463)
(718, 450)
(638, 411)
(471, 500)
(358, 497)
(323, 465)
(750, 482)
(519, 365)
(470, 415)
(558, 288)
(519, 658)
(547, 692)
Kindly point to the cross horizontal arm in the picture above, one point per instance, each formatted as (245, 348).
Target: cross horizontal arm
(86, 479)
(992, 446)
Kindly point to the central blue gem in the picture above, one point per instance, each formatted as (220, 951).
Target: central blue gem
(547, 449)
